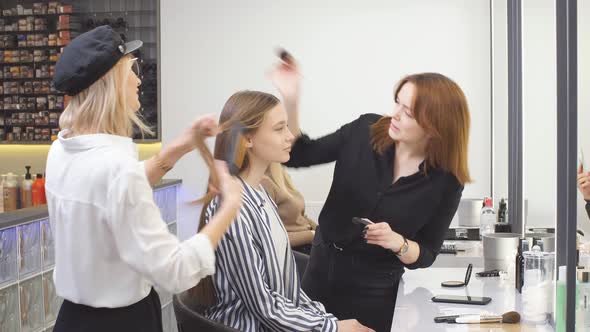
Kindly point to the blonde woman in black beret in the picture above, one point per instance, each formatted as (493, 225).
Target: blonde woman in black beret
(111, 243)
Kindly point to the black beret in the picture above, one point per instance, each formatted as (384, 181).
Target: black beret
(88, 57)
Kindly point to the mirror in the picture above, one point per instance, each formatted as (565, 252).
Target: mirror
(539, 99)
(357, 53)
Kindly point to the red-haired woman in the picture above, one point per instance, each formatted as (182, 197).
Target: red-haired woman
(404, 171)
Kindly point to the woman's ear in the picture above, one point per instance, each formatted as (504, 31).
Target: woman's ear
(248, 141)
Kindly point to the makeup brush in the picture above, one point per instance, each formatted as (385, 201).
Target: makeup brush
(284, 55)
(236, 150)
(511, 317)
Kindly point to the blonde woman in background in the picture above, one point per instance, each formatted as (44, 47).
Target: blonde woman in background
(291, 206)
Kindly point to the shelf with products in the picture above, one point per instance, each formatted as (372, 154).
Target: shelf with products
(22, 118)
(130, 20)
(29, 63)
(31, 94)
(37, 15)
(39, 102)
(30, 135)
(24, 32)
(18, 48)
(11, 110)
(40, 126)
(40, 9)
(26, 79)
(27, 142)
(30, 45)
(12, 33)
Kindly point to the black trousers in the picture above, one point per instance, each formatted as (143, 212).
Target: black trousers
(143, 316)
(352, 286)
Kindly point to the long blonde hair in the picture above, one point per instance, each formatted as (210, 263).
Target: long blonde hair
(102, 107)
(277, 174)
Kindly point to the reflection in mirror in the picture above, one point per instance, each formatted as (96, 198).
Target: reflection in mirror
(584, 109)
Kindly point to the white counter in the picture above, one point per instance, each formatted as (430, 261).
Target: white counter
(415, 310)
(473, 253)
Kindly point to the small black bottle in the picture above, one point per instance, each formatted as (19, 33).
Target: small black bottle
(502, 210)
(523, 245)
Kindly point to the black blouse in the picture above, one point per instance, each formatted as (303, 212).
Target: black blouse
(419, 207)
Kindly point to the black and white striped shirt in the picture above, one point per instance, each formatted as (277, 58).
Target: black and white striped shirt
(254, 293)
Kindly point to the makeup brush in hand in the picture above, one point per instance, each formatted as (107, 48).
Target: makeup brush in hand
(511, 317)
(284, 55)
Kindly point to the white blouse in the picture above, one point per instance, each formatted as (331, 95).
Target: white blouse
(111, 244)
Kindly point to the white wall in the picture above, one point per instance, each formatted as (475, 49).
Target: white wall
(539, 94)
(584, 98)
(351, 52)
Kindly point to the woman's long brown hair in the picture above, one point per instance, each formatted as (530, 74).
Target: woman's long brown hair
(242, 115)
(440, 107)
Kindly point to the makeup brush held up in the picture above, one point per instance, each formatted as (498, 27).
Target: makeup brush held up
(284, 55)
